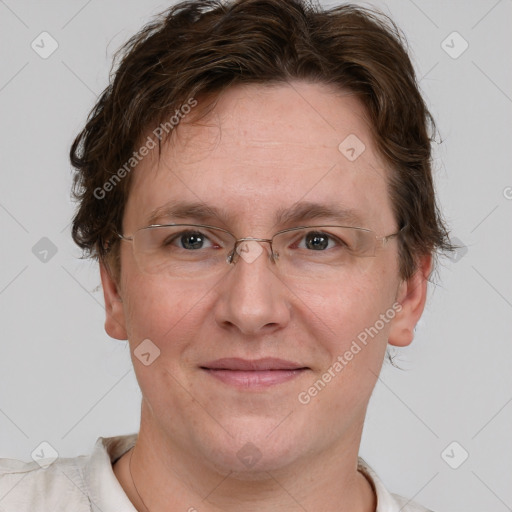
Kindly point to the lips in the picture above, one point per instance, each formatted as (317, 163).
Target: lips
(237, 364)
(255, 374)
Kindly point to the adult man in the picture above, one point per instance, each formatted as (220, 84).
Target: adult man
(256, 186)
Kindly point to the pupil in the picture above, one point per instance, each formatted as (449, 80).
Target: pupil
(317, 241)
(192, 241)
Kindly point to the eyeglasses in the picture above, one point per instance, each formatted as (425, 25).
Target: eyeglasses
(198, 251)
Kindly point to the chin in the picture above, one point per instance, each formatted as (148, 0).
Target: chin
(253, 452)
(252, 463)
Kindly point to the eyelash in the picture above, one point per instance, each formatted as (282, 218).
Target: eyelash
(178, 236)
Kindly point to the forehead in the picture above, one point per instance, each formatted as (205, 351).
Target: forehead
(264, 149)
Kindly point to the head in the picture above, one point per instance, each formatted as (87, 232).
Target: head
(248, 113)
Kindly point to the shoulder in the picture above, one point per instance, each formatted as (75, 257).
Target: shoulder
(386, 501)
(80, 484)
(28, 486)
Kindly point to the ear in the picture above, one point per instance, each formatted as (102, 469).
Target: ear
(115, 325)
(411, 295)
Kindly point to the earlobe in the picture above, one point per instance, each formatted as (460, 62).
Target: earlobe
(412, 295)
(115, 325)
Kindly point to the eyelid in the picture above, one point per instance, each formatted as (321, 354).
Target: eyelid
(297, 237)
(209, 236)
(330, 236)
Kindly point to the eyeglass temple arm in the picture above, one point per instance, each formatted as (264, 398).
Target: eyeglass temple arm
(385, 238)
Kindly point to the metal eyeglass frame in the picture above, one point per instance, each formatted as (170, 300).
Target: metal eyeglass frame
(274, 256)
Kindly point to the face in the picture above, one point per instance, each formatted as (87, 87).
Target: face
(264, 150)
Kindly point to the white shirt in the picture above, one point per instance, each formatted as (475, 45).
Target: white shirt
(88, 483)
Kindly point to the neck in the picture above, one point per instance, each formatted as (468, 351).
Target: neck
(157, 475)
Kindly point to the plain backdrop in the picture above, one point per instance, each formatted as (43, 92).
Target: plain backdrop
(64, 381)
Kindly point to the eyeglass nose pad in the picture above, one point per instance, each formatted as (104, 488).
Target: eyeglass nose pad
(230, 257)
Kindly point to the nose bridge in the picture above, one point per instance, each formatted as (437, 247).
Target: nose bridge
(252, 298)
(249, 248)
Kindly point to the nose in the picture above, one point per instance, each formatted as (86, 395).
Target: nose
(252, 298)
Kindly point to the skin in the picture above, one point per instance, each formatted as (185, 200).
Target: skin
(261, 148)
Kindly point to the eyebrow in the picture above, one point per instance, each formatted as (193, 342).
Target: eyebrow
(306, 211)
(188, 210)
(300, 212)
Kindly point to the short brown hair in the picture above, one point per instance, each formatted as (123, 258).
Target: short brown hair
(199, 48)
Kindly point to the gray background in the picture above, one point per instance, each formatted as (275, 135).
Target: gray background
(65, 382)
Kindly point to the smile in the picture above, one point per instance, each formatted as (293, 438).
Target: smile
(253, 374)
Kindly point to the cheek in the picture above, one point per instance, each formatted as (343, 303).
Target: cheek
(172, 317)
(356, 313)
(353, 323)
(166, 313)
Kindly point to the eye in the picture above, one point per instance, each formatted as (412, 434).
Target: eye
(318, 241)
(189, 240)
